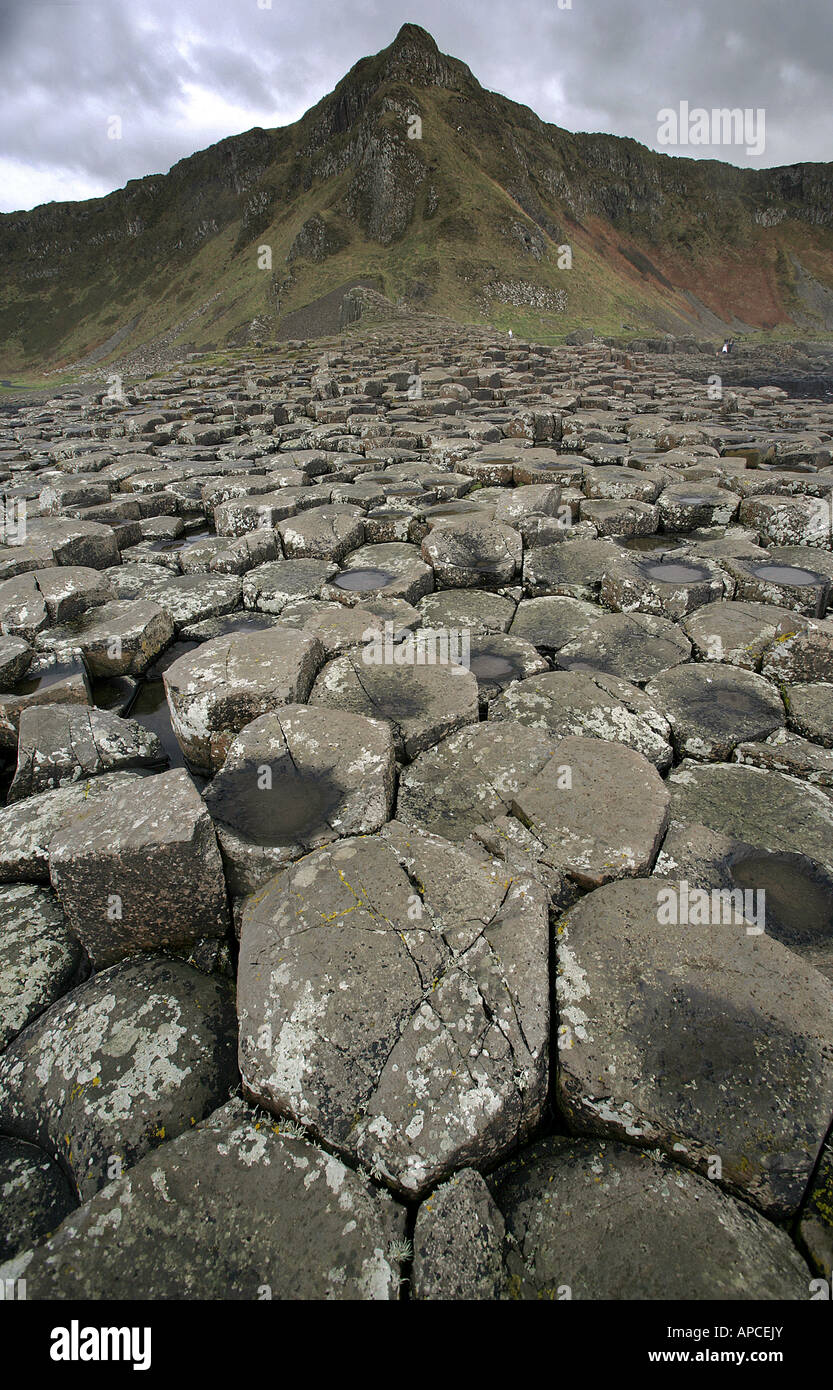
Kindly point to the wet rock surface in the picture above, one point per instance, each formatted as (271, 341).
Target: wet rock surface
(130, 1058)
(237, 1206)
(36, 1196)
(400, 711)
(294, 780)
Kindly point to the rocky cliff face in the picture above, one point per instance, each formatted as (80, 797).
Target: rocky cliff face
(409, 171)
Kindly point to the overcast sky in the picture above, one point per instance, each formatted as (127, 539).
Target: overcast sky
(180, 74)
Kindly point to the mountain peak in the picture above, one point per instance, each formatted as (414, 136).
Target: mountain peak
(414, 57)
(473, 217)
(414, 36)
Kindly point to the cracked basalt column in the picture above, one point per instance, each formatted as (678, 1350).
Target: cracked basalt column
(431, 1050)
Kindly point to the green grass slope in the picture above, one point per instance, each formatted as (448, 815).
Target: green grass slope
(466, 221)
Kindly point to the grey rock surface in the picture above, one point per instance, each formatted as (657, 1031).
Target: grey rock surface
(214, 692)
(592, 704)
(768, 809)
(470, 777)
(237, 1208)
(139, 869)
(473, 553)
(711, 708)
(36, 1196)
(561, 615)
(459, 1241)
(126, 1061)
(294, 780)
(810, 712)
(601, 1221)
(634, 646)
(421, 702)
(15, 658)
(392, 997)
(121, 637)
(70, 743)
(27, 828)
(705, 1039)
(599, 809)
(40, 960)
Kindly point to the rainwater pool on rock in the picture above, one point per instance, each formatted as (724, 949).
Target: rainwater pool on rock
(288, 811)
(363, 580)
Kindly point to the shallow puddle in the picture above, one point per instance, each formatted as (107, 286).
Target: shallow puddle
(799, 895)
(403, 490)
(293, 809)
(461, 508)
(162, 547)
(363, 581)
(487, 666)
(789, 575)
(173, 653)
(200, 533)
(777, 467)
(113, 695)
(150, 709)
(484, 566)
(174, 544)
(674, 572)
(691, 499)
(238, 624)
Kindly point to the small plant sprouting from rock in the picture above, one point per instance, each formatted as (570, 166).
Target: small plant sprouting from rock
(290, 1129)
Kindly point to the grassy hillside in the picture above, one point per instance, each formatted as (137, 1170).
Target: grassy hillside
(465, 222)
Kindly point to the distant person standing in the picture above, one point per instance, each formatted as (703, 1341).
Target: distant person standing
(511, 334)
(725, 347)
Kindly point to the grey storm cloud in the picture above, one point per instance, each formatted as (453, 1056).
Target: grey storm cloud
(181, 74)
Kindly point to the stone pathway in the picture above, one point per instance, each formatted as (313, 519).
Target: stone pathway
(416, 840)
